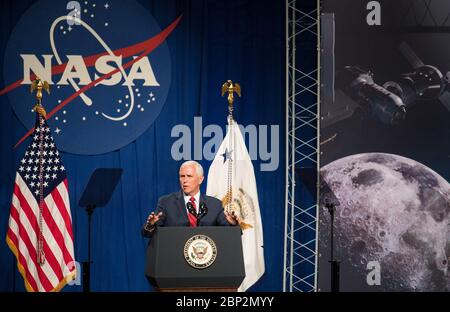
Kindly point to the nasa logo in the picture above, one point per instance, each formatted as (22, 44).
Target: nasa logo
(107, 64)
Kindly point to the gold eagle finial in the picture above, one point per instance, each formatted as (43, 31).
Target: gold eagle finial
(39, 85)
(231, 87)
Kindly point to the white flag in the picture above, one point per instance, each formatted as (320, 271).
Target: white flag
(232, 169)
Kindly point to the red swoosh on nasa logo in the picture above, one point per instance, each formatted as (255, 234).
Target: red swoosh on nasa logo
(145, 47)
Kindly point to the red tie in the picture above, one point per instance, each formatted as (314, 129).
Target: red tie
(192, 217)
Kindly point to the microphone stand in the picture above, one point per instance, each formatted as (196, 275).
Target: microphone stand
(87, 264)
(334, 263)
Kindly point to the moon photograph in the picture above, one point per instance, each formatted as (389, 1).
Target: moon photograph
(392, 210)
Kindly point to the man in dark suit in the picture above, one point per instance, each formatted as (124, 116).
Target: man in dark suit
(188, 207)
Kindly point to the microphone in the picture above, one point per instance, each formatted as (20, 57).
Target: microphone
(202, 211)
(191, 209)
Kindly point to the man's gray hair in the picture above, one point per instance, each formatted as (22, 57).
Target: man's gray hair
(198, 167)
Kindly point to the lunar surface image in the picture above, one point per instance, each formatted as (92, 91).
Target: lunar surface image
(389, 209)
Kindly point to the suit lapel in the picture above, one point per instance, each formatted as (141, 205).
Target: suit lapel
(181, 208)
(202, 200)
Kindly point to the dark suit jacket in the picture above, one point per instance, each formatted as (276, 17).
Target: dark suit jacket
(175, 213)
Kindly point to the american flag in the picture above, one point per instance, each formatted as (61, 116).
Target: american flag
(40, 223)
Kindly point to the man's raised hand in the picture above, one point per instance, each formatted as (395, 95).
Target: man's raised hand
(153, 218)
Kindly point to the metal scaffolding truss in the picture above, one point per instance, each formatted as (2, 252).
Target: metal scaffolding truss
(300, 245)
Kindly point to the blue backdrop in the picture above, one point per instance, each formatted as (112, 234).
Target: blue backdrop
(241, 40)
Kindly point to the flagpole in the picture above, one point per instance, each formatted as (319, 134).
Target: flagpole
(231, 178)
(34, 191)
(230, 87)
(40, 85)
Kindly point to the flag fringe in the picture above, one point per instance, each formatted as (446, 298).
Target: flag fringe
(66, 279)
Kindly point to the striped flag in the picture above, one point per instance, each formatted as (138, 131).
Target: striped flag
(40, 224)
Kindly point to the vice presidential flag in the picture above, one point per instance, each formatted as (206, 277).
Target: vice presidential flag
(231, 178)
(40, 223)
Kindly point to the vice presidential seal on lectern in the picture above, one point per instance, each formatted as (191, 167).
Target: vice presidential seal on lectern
(200, 251)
